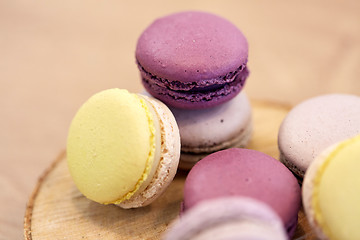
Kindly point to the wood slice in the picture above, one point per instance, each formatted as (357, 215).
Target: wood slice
(57, 210)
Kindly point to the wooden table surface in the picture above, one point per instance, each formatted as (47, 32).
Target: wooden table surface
(56, 54)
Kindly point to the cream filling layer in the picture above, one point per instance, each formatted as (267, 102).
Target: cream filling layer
(154, 154)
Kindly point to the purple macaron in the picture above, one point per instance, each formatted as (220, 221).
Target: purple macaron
(192, 60)
(247, 173)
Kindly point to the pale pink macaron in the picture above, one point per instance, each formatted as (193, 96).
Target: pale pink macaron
(314, 125)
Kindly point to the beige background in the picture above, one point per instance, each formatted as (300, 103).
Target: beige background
(55, 54)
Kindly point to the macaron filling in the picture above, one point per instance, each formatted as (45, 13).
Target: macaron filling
(197, 91)
(336, 195)
(157, 151)
(100, 148)
(201, 85)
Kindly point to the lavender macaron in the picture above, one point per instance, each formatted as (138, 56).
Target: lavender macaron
(204, 131)
(314, 125)
(228, 218)
(246, 173)
(192, 60)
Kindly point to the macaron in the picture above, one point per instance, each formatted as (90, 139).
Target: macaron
(331, 191)
(204, 131)
(315, 124)
(123, 148)
(228, 218)
(247, 173)
(192, 59)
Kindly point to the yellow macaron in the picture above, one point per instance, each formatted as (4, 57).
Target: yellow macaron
(123, 148)
(331, 192)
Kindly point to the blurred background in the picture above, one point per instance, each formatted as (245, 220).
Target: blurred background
(55, 54)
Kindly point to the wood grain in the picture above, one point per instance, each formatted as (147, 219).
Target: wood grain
(57, 210)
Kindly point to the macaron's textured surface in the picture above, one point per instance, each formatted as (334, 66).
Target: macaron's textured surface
(114, 147)
(204, 131)
(248, 173)
(228, 218)
(331, 191)
(192, 59)
(314, 125)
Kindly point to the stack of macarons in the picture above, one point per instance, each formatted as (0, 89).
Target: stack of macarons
(196, 63)
(193, 66)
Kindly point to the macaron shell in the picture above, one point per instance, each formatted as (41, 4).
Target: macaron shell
(333, 180)
(228, 218)
(244, 172)
(102, 137)
(170, 154)
(191, 46)
(313, 125)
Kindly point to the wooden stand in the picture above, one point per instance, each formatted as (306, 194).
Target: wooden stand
(57, 210)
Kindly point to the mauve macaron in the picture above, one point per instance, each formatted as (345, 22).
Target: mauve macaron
(247, 173)
(314, 125)
(192, 59)
(228, 218)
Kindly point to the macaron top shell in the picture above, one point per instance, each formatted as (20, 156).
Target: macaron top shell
(316, 124)
(331, 192)
(101, 146)
(191, 47)
(244, 172)
(228, 218)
